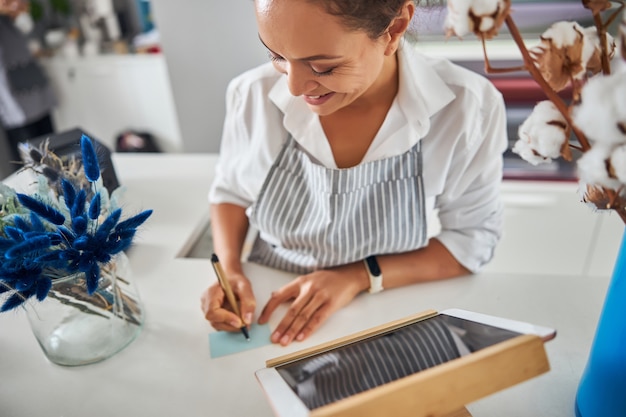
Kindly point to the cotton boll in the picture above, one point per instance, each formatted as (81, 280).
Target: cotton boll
(595, 197)
(563, 34)
(486, 24)
(483, 17)
(601, 114)
(618, 66)
(590, 41)
(592, 51)
(544, 132)
(457, 21)
(559, 56)
(486, 7)
(592, 167)
(492, 14)
(618, 163)
(527, 153)
(545, 139)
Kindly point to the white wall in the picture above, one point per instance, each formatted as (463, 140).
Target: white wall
(108, 94)
(205, 43)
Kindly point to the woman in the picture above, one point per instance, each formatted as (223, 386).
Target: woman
(26, 96)
(336, 152)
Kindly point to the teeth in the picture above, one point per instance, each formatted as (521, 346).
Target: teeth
(314, 97)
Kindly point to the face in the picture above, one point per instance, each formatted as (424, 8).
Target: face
(328, 65)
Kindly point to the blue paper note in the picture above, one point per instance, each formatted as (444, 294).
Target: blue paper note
(227, 343)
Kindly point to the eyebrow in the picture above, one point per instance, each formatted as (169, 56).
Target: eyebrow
(306, 59)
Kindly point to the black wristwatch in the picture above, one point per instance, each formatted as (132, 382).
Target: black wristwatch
(375, 274)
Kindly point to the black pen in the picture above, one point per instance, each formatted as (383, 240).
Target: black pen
(221, 277)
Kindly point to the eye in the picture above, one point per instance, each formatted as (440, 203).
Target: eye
(274, 57)
(280, 60)
(322, 73)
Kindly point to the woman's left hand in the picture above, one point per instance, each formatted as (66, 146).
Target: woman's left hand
(315, 297)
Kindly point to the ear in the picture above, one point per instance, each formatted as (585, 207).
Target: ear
(398, 27)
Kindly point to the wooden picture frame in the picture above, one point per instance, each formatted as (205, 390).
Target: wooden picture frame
(440, 391)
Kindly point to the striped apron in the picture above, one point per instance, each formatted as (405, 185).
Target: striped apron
(311, 217)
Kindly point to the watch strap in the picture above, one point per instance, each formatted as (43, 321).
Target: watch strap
(375, 274)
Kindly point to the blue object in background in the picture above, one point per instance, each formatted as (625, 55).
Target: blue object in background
(145, 15)
(602, 388)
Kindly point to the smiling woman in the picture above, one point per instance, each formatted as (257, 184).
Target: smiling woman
(342, 75)
(339, 150)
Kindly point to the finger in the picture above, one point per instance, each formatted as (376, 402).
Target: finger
(319, 317)
(211, 299)
(297, 316)
(215, 311)
(278, 297)
(224, 319)
(247, 302)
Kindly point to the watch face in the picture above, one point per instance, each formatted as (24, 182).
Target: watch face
(372, 265)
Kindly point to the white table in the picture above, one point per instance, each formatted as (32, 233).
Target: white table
(168, 371)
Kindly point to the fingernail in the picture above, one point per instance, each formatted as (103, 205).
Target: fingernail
(235, 323)
(248, 318)
(300, 337)
(275, 337)
(284, 340)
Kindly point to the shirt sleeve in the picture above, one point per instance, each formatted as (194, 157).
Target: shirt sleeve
(252, 137)
(470, 209)
(226, 186)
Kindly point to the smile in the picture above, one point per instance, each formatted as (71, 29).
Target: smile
(316, 97)
(318, 100)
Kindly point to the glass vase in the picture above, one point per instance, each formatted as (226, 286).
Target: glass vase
(602, 388)
(75, 328)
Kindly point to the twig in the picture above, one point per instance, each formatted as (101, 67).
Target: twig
(491, 70)
(601, 29)
(552, 95)
(615, 202)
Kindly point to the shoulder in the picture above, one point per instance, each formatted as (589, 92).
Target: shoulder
(258, 80)
(464, 82)
(249, 105)
(461, 80)
(477, 102)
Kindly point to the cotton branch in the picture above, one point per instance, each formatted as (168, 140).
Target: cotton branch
(601, 28)
(536, 74)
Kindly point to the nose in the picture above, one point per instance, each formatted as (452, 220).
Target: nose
(299, 80)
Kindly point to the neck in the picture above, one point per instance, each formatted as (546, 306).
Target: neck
(384, 89)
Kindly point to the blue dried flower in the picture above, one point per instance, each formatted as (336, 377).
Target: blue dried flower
(27, 247)
(49, 239)
(42, 209)
(90, 159)
(69, 192)
(78, 208)
(94, 207)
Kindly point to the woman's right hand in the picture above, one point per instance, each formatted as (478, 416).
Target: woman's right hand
(217, 310)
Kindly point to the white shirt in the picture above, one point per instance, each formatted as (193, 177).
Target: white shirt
(459, 116)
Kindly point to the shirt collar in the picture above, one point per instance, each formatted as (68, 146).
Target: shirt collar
(422, 92)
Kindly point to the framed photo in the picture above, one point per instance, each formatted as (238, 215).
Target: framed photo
(430, 364)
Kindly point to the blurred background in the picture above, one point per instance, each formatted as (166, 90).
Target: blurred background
(158, 69)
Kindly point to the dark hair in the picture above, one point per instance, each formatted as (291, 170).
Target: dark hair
(371, 16)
